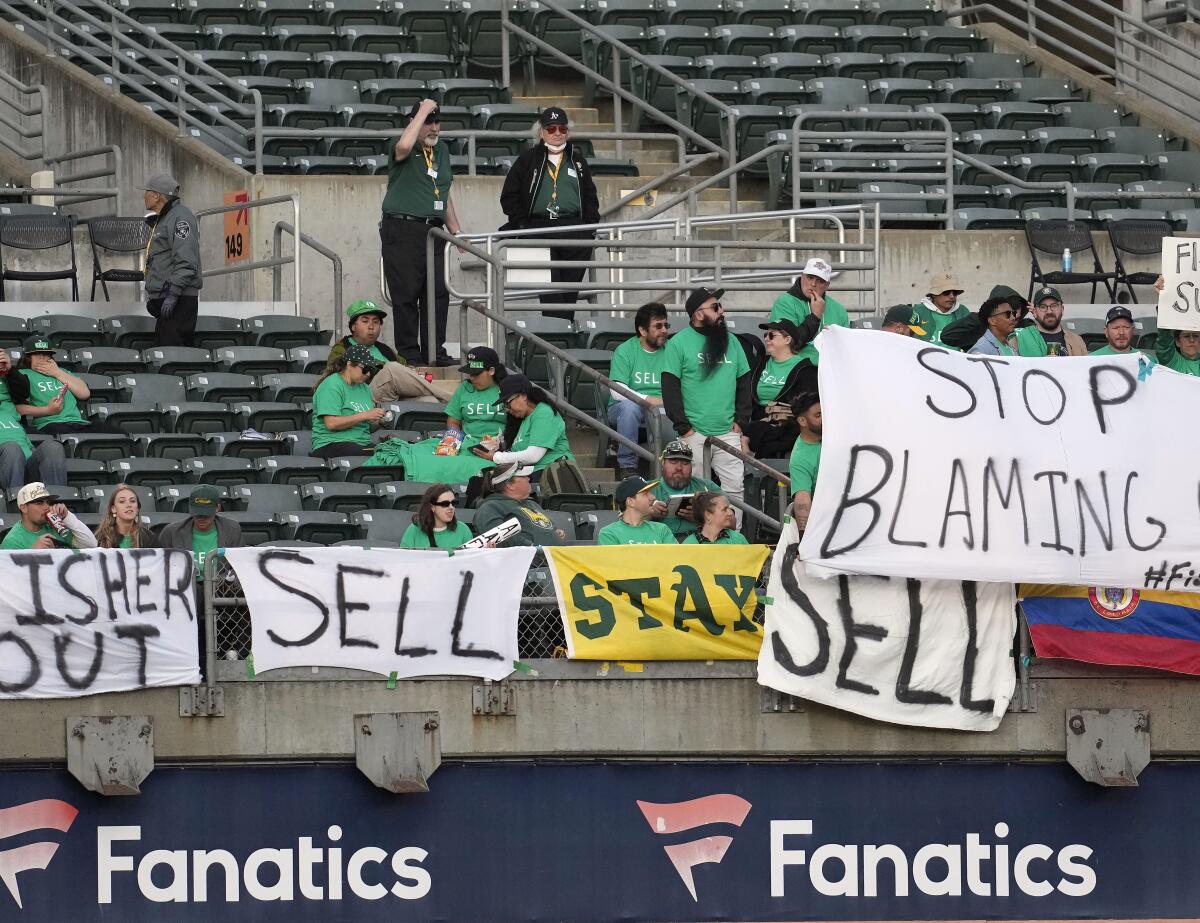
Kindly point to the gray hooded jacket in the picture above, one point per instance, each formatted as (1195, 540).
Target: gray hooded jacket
(173, 256)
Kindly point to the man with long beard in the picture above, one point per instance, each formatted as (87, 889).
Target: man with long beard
(706, 387)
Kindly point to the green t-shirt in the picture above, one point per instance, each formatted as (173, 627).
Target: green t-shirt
(546, 428)
(1172, 358)
(649, 532)
(203, 544)
(536, 527)
(448, 539)
(11, 429)
(788, 307)
(20, 539)
(477, 410)
(727, 537)
(934, 322)
(410, 189)
(639, 370)
(662, 491)
(708, 400)
(805, 463)
(1107, 350)
(126, 541)
(334, 397)
(774, 376)
(1032, 343)
(568, 201)
(42, 389)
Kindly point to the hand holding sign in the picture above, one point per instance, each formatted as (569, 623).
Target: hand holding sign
(1179, 296)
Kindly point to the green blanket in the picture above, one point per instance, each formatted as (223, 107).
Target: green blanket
(420, 464)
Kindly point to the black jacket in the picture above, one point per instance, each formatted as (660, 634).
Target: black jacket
(18, 385)
(522, 182)
(802, 377)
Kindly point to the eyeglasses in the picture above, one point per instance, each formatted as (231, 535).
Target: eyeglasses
(1050, 304)
(555, 129)
(716, 306)
(508, 400)
(444, 503)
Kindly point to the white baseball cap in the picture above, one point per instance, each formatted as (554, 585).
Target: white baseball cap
(34, 491)
(819, 268)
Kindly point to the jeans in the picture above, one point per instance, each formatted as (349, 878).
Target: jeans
(47, 464)
(626, 418)
(729, 471)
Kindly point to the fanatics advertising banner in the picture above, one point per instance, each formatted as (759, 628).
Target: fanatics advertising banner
(933, 653)
(412, 613)
(941, 465)
(75, 623)
(659, 602)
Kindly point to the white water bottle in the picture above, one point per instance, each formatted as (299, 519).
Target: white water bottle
(1066, 260)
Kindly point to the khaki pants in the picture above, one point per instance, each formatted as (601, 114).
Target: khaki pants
(396, 382)
(729, 470)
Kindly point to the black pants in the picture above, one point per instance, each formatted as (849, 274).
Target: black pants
(403, 245)
(179, 328)
(67, 429)
(340, 449)
(567, 254)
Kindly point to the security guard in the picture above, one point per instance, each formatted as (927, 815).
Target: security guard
(173, 274)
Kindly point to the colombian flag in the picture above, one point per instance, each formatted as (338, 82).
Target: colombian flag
(1136, 628)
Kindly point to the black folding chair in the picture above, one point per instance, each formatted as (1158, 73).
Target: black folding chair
(1137, 237)
(117, 235)
(1053, 237)
(37, 232)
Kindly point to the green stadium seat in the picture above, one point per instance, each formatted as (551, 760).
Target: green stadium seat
(810, 39)
(375, 39)
(177, 446)
(1019, 116)
(198, 417)
(295, 470)
(129, 331)
(382, 525)
(961, 116)
(174, 498)
(980, 219)
(951, 40)
(1116, 168)
(321, 527)
(150, 473)
(178, 360)
(794, 65)
(271, 416)
(1095, 116)
(222, 386)
(1009, 143)
(421, 66)
(252, 360)
(920, 65)
(133, 418)
(977, 91)
(902, 91)
(68, 331)
(276, 497)
(770, 13)
(239, 445)
(469, 92)
(214, 332)
(338, 497)
(882, 40)
(83, 473)
(102, 447)
(735, 67)
(990, 64)
(240, 38)
(839, 13)
(1046, 90)
(429, 24)
(746, 39)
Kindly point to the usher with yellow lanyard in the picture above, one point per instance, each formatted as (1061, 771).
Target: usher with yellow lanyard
(419, 185)
(558, 192)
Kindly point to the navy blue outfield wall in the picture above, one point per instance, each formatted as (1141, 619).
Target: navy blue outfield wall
(603, 842)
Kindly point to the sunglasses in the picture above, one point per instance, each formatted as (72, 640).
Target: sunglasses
(555, 129)
(1006, 314)
(771, 334)
(444, 503)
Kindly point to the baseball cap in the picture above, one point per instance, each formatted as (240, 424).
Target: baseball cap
(630, 487)
(512, 386)
(37, 344)
(480, 359)
(943, 282)
(552, 115)
(363, 306)
(435, 114)
(819, 268)
(904, 314)
(204, 500)
(502, 473)
(360, 354)
(35, 490)
(784, 326)
(1047, 292)
(679, 449)
(1118, 312)
(163, 184)
(699, 296)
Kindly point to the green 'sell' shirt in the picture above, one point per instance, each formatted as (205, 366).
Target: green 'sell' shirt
(805, 463)
(727, 537)
(334, 397)
(447, 539)
(708, 400)
(637, 369)
(477, 410)
(203, 544)
(11, 429)
(1172, 358)
(547, 429)
(774, 376)
(648, 533)
(42, 390)
(662, 491)
(934, 322)
(788, 307)
(410, 187)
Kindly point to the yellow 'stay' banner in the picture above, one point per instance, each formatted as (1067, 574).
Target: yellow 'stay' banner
(659, 602)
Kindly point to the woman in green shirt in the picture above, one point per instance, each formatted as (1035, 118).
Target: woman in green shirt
(719, 525)
(783, 374)
(473, 407)
(121, 526)
(344, 409)
(534, 431)
(54, 394)
(435, 524)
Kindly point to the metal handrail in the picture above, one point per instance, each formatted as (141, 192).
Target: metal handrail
(294, 259)
(116, 170)
(283, 227)
(712, 442)
(27, 111)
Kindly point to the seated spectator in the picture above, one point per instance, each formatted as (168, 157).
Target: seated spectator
(1047, 336)
(783, 374)
(1177, 349)
(902, 319)
(434, 524)
(718, 522)
(807, 296)
(473, 408)
(506, 495)
(637, 364)
(634, 527)
(806, 455)
(204, 531)
(1118, 331)
(54, 394)
(964, 333)
(344, 409)
(20, 462)
(121, 526)
(533, 428)
(677, 481)
(998, 320)
(940, 307)
(45, 523)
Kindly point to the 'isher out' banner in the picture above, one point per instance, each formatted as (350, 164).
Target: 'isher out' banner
(659, 602)
(942, 465)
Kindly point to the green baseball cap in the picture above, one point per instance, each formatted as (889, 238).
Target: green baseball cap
(204, 500)
(363, 306)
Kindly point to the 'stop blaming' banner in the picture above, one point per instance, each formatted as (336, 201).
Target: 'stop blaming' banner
(943, 465)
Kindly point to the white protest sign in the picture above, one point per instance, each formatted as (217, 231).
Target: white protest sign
(927, 653)
(1179, 301)
(941, 465)
(412, 613)
(78, 623)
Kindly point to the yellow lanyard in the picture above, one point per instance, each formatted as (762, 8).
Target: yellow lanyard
(553, 171)
(428, 154)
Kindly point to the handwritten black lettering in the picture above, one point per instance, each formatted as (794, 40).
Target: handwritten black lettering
(971, 602)
(61, 644)
(988, 362)
(345, 606)
(1099, 402)
(905, 692)
(35, 561)
(139, 633)
(899, 505)
(35, 668)
(401, 614)
(1162, 527)
(1105, 528)
(468, 650)
(923, 358)
(1057, 544)
(991, 480)
(846, 502)
(294, 557)
(779, 650)
(64, 582)
(958, 475)
(1062, 395)
(854, 630)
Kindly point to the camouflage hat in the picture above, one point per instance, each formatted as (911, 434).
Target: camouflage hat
(679, 449)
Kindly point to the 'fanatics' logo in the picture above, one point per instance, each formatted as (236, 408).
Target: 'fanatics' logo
(687, 815)
(48, 814)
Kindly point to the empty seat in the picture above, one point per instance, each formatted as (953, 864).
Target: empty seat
(116, 235)
(68, 331)
(338, 496)
(354, 468)
(1128, 140)
(795, 65)
(1047, 90)
(151, 388)
(307, 359)
(214, 331)
(130, 417)
(421, 66)
(1049, 239)
(1010, 143)
(281, 331)
(103, 447)
(1116, 168)
(222, 386)
(231, 37)
(178, 360)
(429, 24)
(992, 64)
(177, 446)
(770, 13)
(978, 219)
(288, 65)
(252, 360)
(1061, 139)
(401, 495)
(1178, 165)
(276, 497)
(838, 92)
(920, 65)
(746, 39)
(818, 40)
(839, 13)
(692, 41)
(130, 331)
(83, 473)
(774, 91)
(221, 471)
(271, 416)
(102, 387)
(238, 444)
(961, 116)
(951, 40)
(728, 66)
(625, 13)
(295, 470)
(282, 12)
(1095, 116)
(1142, 240)
(469, 92)
(902, 91)
(198, 417)
(857, 65)
(311, 39)
(877, 39)
(1019, 116)
(1048, 168)
(322, 527)
(376, 39)
(146, 472)
(383, 525)
(353, 65)
(288, 386)
(974, 90)
(37, 232)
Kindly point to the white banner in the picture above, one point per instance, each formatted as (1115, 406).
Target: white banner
(941, 465)
(928, 653)
(411, 613)
(78, 623)
(1179, 301)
